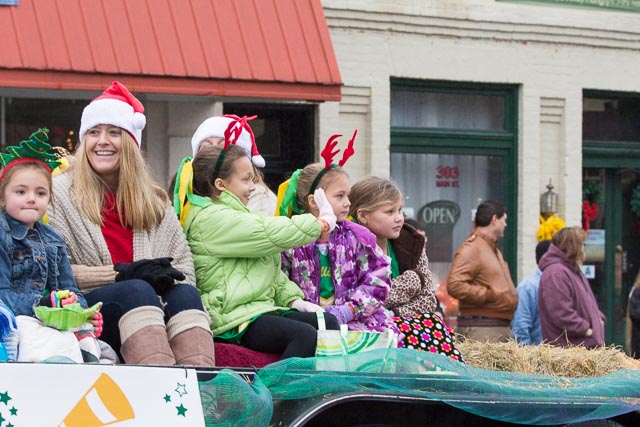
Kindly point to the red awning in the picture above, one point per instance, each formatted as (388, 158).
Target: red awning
(233, 48)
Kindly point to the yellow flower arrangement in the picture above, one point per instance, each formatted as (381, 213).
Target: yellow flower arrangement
(548, 227)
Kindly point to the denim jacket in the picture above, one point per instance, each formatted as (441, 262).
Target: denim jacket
(32, 260)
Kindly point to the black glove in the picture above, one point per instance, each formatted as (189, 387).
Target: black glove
(158, 272)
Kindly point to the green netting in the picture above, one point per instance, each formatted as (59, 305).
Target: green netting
(229, 399)
(517, 398)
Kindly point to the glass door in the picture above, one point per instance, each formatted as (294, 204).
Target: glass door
(611, 178)
(611, 213)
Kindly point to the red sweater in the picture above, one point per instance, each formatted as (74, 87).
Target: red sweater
(119, 239)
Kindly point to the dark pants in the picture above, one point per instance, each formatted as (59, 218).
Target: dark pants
(121, 297)
(292, 335)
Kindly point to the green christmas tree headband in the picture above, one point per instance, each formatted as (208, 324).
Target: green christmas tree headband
(34, 150)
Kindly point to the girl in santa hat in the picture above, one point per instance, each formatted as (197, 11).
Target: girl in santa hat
(237, 252)
(125, 244)
(211, 132)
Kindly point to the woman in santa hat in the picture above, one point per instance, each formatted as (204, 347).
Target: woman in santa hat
(125, 244)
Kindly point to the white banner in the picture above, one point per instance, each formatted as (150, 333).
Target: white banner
(43, 395)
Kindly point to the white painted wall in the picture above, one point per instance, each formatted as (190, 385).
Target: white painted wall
(551, 52)
(168, 134)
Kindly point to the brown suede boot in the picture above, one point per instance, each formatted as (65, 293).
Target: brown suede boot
(144, 338)
(191, 339)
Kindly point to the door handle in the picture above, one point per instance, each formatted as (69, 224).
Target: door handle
(617, 285)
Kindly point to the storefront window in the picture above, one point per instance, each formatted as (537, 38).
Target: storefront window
(447, 110)
(284, 133)
(454, 145)
(444, 195)
(23, 116)
(611, 119)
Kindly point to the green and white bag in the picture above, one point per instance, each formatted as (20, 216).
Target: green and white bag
(346, 350)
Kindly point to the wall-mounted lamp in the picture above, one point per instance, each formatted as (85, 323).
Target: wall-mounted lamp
(548, 202)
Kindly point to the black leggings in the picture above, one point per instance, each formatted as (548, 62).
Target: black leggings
(292, 335)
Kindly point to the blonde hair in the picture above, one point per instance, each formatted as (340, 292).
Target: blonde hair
(6, 179)
(308, 175)
(570, 241)
(370, 193)
(140, 201)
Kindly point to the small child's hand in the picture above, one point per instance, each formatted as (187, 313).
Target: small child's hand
(59, 299)
(306, 306)
(72, 298)
(97, 322)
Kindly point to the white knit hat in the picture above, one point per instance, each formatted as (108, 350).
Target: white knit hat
(215, 127)
(117, 107)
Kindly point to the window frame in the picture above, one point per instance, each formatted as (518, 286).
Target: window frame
(502, 143)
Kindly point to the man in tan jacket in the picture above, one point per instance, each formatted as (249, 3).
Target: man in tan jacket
(479, 278)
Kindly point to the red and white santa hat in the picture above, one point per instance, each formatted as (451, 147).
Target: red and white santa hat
(215, 127)
(118, 107)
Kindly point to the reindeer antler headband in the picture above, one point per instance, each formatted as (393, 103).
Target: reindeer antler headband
(328, 153)
(231, 136)
(287, 205)
(183, 196)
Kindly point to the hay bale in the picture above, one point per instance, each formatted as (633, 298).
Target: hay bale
(574, 362)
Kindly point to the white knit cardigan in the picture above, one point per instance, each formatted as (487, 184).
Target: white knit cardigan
(88, 251)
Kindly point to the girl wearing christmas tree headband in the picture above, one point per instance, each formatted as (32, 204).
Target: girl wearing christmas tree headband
(25, 192)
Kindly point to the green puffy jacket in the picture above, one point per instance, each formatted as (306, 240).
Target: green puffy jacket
(237, 258)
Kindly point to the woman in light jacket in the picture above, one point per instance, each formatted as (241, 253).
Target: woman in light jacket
(114, 216)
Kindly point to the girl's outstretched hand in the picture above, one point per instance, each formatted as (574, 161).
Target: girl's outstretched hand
(306, 306)
(325, 209)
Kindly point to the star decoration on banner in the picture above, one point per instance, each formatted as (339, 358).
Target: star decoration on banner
(181, 389)
(6, 411)
(4, 397)
(181, 410)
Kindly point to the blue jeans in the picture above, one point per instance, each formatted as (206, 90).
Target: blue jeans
(120, 297)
